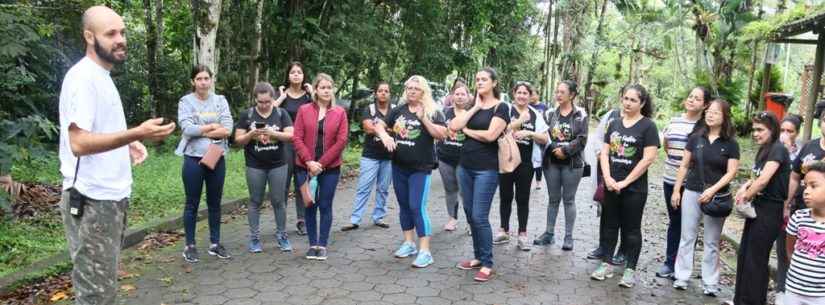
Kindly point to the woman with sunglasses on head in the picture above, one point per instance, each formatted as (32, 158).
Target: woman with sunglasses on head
(709, 164)
(320, 136)
(766, 191)
(263, 130)
(530, 132)
(563, 161)
(478, 173)
(415, 126)
(296, 92)
(629, 149)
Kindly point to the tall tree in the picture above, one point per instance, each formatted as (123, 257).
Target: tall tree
(590, 100)
(254, 58)
(206, 15)
(575, 20)
(154, 49)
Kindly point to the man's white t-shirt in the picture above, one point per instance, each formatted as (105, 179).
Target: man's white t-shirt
(90, 100)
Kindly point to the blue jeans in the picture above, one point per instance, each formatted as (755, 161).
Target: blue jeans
(477, 189)
(327, 181)
(377, 172)
(194, 175)
(412, 187)
(674, 227)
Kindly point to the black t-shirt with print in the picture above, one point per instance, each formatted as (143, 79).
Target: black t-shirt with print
(270, 155)
(525, 146)
(291, 104)
(483, 156)
(561, 133)
(627, 149)
(373, 148)
(810, 152)
(449, 149)
(415, 147)
(715, 158)
(777, 189)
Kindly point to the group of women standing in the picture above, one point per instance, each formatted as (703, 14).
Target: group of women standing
(298, 134)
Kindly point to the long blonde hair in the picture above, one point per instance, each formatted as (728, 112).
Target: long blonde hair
(318, 78)
(427, 96)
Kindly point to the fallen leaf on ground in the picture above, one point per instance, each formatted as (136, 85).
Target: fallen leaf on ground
(128, 287)
(60, 296)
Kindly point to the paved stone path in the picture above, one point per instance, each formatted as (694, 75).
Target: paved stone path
(362, 270)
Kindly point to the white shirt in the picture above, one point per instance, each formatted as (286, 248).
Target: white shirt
(90, 100)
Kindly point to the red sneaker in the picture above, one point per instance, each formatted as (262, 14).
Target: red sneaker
(483, 277)
(468, 265)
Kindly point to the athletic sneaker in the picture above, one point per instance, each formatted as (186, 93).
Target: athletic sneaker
(665, 272)
(568, 244)
(501, 238)
(321, 254)
(619, 260)
(406, 250)
(190, 254)
(597, 253)
(312, 254)
(423, 259)
(219, 251)
(628, 278)
(283, 242)
(544, 239)
(604, 271)
(680, 285)
(523, 244)
(255, 246)
(713, 291)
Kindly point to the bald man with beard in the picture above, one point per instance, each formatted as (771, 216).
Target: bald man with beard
(97, 152)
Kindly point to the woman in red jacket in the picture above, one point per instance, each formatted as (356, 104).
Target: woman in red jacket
(320, 136)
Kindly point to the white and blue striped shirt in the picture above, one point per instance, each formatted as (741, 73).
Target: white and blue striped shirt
(676, 136)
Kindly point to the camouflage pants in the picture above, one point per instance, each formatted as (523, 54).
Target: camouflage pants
(95, 240)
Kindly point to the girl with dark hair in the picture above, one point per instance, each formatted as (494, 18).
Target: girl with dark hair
(766, 191)
(530, 132)
(629, 148)
(563, 161)
(263, 130)
(806, 276)
(205, 120)
(715, 143)
(295, 93)
(811, 152)
(375, 168)
(449, 152)
(675, 137)
(478, 176)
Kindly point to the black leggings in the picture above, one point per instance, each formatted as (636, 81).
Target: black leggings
(755, 253)
(623, 212)
(522, 178)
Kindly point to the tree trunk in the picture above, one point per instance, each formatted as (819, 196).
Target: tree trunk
(588, 105)
(575, 25)
(206, 15)
(548, 65)
(295, 49)
(154, 49)
(254, 58)
(554, 51)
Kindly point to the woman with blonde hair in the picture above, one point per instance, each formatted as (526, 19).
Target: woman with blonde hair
(320, 136)
(415, 126)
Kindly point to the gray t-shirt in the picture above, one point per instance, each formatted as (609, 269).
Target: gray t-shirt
(194, 113)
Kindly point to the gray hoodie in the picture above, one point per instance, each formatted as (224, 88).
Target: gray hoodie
(194, 113)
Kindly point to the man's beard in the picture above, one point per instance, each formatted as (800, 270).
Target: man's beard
(109, 56)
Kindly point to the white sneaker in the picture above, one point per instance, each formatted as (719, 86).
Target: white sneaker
(523, 243)
(501, 238)
(604, 271)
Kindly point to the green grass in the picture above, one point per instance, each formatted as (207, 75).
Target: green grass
(157, 192)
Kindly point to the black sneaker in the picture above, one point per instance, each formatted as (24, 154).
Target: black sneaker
(349, 227)
(312, 253)
(596, 254)
(321, 254)
(544, 239)
(190, 254)
(618, 260)
(299, 228)
(382, 224)
(219, 251)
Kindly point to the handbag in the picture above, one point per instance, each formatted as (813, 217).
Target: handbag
(722, 204)
(509, 156)
(213, 154)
